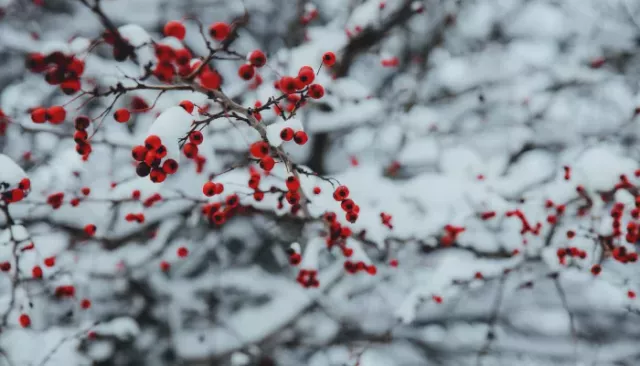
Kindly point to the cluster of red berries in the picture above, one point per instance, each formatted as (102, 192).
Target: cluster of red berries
(151, 200)
(341, 194)
(254, 183)
(81, 136)
(451, 234)
(308, 278)
(304, 79)
(261, 150)
(255, 59)
(299, 137)
(150, 156)
(293, 190)
(190, 149)
(171, 62)
(338, 234)
(526, 227)
(139, 217)
(55, 200)
(17, 194)
(355, 267)
(571, 252)
(218, 213)
(622, 255)
(56, 115)
(60, 69)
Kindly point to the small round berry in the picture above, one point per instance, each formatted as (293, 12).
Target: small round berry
(56, 114)
(182, 252)
(82, 122)
(259, 149)
(209, 189)
(306, 75)
(39, 115)
(142, 170)
(196, 137)
(300, 138)
(316, 190)
(157, 175)
(139, 152)
(219, 31)
(36, 272)
(50, 261)
(288, 85)
(83, 148)
(175, 29)
(258, 195)
(165, 266)
(246, 71)
(90, 229)
(187, 105)
(257, 58)
(329, 59)
(341, 193)
(316, 91)
(25, 321)
(293, 184)
(190, 150)
(170, 166)
(122, 115)
(286, 134)
(70, 87)
(80, 136)
(267, 163)
(152, 142)
(85, 304)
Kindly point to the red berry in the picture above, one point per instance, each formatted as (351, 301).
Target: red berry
(70, 87)
(341, 193)
(39, 115)
(257, 58)
(80, 136)
(50, 261)
(157, 175)
(182, 252)
(196, 137)
(316, 190)
(36, 272)
(90, 229)
(267, 163)
(187, 105)
(175, 29)
(170, 166)
(190, 150)
(219, 31)
(306, 75)
(329, 59)
(316, 91)
(258, 195)
(210, 79)
(596, 269)
(152, 142)
(139, 152)
(209, 189)
(293, 184)
(165, 266)
(25, 321)
(259, 149)
(286, 134)
(288, 85)
(246, 71)
(300, 138)
(56, 114)
(85, 304)
(122, 115)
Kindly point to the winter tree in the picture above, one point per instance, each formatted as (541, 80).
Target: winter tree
(321, 182)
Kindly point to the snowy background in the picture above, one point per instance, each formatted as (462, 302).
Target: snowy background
(490, 145)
